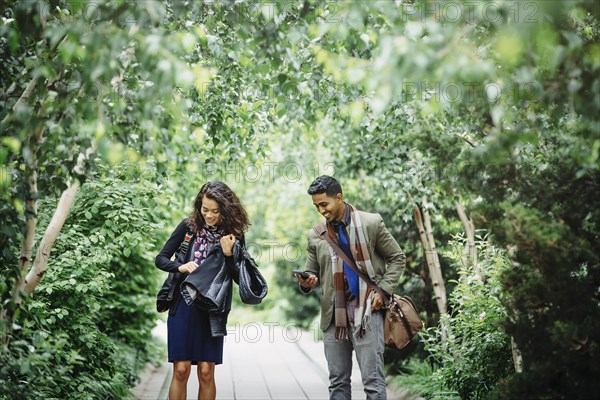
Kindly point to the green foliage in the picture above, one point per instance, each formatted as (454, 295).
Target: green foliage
(519, 142)
(497, 107)
(86, 332)
(420, 378)
(477, 354)
(554, 289)
(9, 242)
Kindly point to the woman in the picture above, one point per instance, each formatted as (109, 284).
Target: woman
(218, 217)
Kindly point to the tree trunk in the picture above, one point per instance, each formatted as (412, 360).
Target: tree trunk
(40, 263)
(436, 271)
(434, 267)
(30, 213)
(517, 357)
(470, 258)
(30, 223)
(65, 203)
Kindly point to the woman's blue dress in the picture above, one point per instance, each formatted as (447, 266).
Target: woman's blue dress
(189, 336)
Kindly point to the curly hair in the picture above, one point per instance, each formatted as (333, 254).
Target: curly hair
(325, 184)
(234, 218)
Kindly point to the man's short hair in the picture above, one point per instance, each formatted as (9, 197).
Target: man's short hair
(325, 184)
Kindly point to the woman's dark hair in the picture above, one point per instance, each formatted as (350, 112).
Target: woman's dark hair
(233, 216)
(325, 184)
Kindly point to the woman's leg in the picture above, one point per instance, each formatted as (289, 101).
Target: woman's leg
(181, 373)
(206, 377)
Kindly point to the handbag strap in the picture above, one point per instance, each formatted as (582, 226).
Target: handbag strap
(186, 242)
(184, 248)
(321, 230)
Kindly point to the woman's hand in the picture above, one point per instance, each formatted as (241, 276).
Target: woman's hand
(227, 243)
(188, 268)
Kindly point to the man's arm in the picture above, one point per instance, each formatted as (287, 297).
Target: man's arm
(388, 248)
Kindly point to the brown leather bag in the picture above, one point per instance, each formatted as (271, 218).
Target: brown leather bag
(402, 321)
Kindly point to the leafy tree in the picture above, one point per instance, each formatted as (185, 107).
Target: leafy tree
(68, 85)
(516, 141)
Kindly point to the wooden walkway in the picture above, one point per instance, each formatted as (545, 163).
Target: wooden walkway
(260, 362)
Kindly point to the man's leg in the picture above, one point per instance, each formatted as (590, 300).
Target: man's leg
(339, 361)
(369, 354)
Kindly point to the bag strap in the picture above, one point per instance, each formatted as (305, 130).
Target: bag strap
(186, 242)
(184, 248)
(322, 232)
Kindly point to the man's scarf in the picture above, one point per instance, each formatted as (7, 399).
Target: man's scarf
(360, 253)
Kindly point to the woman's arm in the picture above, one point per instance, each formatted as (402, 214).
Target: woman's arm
(163, 259)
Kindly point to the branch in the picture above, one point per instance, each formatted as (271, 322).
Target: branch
(37, 271)
(469, 141)
(29, 90)
(27, 94)
(470, 231)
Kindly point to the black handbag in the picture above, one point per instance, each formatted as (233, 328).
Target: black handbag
(164, 298)
(252, 285)
(165, 295)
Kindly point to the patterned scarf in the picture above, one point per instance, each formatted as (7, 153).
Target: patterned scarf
(206, 238)
(360, 253)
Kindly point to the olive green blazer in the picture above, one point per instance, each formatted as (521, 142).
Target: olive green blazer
(386, 256)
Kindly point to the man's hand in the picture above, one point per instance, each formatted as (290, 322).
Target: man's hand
(227, 243)
(188, 268)
(309, 282)
(378, 302)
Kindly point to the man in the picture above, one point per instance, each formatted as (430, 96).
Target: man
(351, 316)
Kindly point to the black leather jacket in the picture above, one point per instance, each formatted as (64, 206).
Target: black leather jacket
(209, 287)
(223, 269)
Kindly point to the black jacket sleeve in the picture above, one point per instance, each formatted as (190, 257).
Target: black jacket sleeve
(163, 259)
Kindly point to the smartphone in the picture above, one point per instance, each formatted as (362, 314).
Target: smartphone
(303, 274)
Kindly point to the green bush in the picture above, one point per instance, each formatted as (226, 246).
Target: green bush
(85, 332)
(476, 355)
(420, 378)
